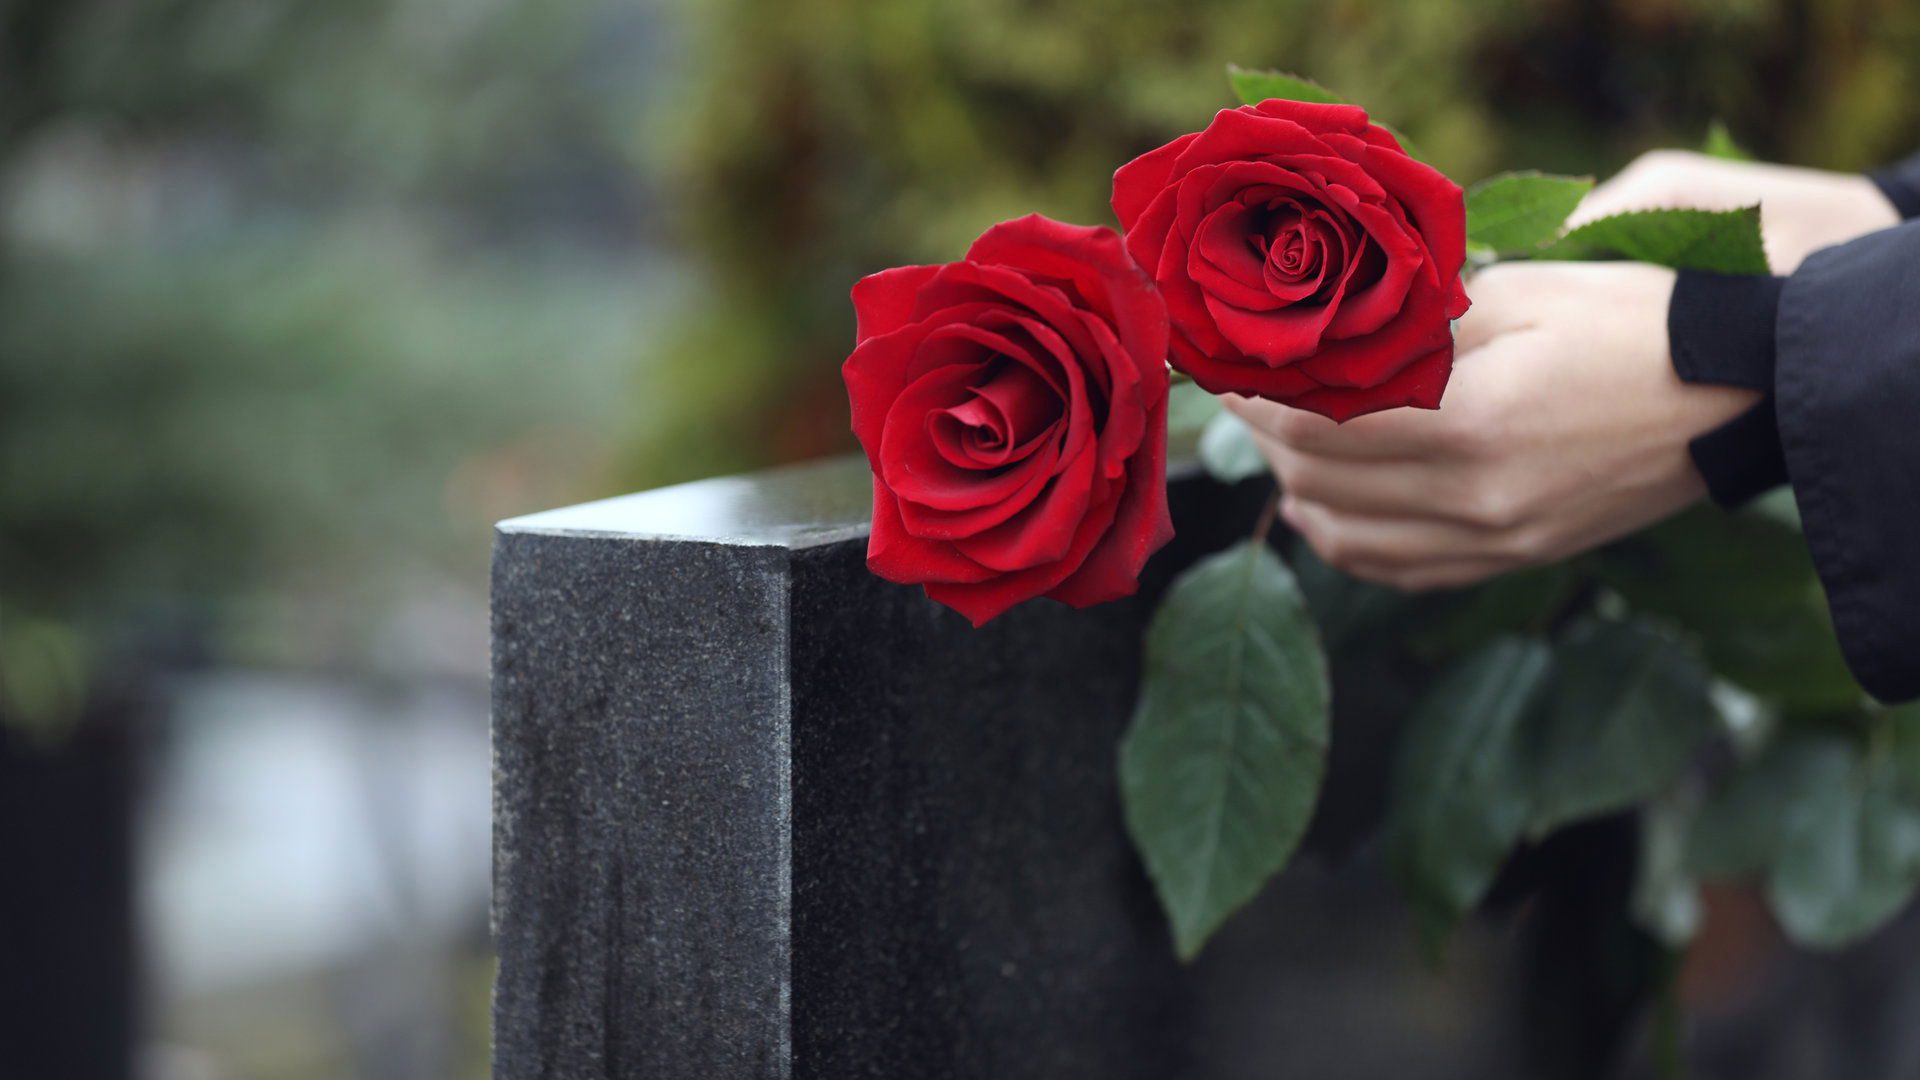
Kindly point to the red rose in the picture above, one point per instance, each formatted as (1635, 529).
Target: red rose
(1304, 257)
(1013, 407)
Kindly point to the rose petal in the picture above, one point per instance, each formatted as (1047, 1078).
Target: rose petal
(1095, 260)
(1227, 263)
(1420, 326)
(897, 556)
(1141, 526)
(1138, 182)
(1419, 385)
(962, 285)
(985, 599)
(1245, 134)
(1237, 375)
(1315, 116)
(882, 366)
(1043, 531)
(1434, 205)
(882, 301)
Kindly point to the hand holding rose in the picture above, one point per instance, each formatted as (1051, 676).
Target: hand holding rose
(1565, 427)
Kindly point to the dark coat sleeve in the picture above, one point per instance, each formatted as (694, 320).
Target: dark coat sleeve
(1847, 398)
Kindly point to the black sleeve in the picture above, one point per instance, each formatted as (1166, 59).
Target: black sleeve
(1847, 393)
(1721, 330)
(1901, 185)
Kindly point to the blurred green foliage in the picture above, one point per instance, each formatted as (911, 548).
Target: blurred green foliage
(294, 300)
(831, 138)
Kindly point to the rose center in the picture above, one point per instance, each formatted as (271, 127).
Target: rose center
(1001, 420)
(1296, 242)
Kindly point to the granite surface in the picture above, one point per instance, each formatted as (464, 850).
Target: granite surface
(759, 814)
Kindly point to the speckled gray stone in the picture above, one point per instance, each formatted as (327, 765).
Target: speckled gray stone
(761, 814)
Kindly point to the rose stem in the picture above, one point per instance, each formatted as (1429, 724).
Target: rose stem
(1264, 524)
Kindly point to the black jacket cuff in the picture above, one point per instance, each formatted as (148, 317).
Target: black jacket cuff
(1742, 459)
(1901, 185)
(1721, 332)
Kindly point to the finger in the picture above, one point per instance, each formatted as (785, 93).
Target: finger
(1394, 435)
(1430, 577)
(1502, 304)
(1348, 540)
(1391, 489)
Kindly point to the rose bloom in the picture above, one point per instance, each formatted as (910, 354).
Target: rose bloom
(1013, 407)
(1304, 257)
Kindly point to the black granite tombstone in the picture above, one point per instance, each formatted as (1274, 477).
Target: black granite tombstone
(759, 814)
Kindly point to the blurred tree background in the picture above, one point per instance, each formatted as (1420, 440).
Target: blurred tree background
(297, 298)
(294, 300)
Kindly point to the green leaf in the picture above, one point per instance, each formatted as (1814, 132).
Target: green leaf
(1189, 409)
(1253, 87)
(1624, 712)
(1460, 794)
(1719, 143)
(1666, 899)
(1850, 853)
(1345, 607)
(1222, 764)
(1721, 241)
(1746, 586)
(1900, 726)
(1228, 451)
(1738, 828)
(1520, 600)
(1778, 506)
(1522, 211)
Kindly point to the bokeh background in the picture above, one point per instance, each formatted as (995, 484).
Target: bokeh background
(296, 299)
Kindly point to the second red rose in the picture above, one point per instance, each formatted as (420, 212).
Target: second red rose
(1304, 257)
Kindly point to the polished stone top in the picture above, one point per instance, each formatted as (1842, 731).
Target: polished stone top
(794, 506)
(791, 506)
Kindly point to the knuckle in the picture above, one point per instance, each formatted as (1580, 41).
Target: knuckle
(1298, 476)
(1297, 428)
(1335, 548)
(1406, 580)
(1522, 544)
(1471, 433)
(1492, 506)
(1483, 426)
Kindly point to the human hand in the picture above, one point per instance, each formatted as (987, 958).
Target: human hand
(1563, 427)
(1801, 210)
